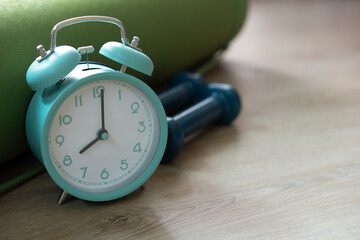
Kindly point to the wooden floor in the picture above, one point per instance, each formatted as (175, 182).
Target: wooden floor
(288, 168)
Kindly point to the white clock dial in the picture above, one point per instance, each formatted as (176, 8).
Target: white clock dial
(126, 148)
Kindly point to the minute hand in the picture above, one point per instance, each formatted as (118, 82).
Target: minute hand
(102, 111)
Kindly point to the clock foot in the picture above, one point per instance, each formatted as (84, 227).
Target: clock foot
(63, 197)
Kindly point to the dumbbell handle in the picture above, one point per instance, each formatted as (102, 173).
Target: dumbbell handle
(185, 89)
(222, 106)
(199, 115)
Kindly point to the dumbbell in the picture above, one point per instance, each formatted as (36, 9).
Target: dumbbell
(221, 105)
(185, 88)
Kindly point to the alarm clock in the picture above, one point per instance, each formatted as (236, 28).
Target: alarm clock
(100, 133)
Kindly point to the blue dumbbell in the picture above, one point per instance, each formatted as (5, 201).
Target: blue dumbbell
(221, 106)
(185, 88)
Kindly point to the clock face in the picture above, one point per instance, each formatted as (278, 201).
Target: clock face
(103, 136)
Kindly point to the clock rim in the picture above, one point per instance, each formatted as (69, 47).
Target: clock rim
(144, 176)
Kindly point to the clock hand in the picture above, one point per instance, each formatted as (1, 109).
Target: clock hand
(102, 111)
(90, 144)
(102, 135)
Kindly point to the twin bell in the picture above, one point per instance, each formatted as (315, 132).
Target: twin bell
(55, 64)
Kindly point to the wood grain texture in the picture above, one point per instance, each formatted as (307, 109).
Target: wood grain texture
(288, 168)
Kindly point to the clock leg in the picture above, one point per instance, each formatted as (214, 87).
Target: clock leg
(64, 196)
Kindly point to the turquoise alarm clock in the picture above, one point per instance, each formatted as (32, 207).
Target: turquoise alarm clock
(100, 133)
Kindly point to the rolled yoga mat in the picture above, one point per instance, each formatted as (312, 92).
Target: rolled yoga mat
(177, 35)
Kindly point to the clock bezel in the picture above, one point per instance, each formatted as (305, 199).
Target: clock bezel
(143, 177)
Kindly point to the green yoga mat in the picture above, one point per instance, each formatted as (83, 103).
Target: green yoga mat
(176, 35)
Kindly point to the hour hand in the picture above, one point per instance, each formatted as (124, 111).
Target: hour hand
(102, 135)
(90, 144)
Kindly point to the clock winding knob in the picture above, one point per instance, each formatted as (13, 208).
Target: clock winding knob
(41, 50)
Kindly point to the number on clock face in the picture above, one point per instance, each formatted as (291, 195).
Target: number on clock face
(121, 153)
